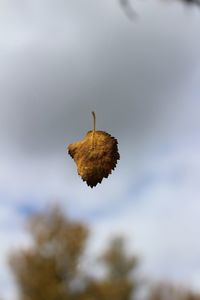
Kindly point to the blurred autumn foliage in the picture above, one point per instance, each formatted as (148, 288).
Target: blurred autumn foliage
(169, 291)
(49, 269)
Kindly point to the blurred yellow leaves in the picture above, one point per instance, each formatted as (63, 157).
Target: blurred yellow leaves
(95, 155)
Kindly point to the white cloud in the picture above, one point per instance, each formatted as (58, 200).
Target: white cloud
(162, 221)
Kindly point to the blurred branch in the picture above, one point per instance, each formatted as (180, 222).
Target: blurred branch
(128, 9)
(131, 13)
(191, 2)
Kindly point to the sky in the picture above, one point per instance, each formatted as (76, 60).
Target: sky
(59, 61)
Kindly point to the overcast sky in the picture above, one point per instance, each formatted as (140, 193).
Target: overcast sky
(59, 60)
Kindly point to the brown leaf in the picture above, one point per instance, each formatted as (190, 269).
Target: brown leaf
(95, 155)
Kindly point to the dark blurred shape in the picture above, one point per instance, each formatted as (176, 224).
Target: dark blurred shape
(169, 291)
(50, 268)
(131, 14)
(128, 9)
(188, 2)
(191, 2)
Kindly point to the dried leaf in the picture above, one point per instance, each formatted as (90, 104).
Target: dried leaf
(95, 155)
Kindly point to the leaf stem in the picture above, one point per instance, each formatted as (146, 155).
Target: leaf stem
(94, 129)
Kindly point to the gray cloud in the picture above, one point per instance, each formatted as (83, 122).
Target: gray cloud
(62, 66)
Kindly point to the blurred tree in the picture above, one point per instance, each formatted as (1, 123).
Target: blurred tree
(119, 265)
(119, 282)
(49, 269)
(168, 291)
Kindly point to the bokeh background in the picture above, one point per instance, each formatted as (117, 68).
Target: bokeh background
(59, 60)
